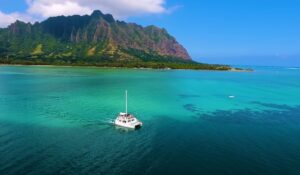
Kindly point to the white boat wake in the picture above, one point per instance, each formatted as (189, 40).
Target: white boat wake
(107, 121)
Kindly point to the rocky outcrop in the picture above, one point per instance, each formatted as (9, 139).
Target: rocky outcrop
(99, 27)
(98, 31)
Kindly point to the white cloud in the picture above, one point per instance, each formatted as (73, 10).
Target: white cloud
(8, 18)
(119, 8)
(47, 9)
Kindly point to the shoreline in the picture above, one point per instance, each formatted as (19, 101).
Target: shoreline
(139, 68)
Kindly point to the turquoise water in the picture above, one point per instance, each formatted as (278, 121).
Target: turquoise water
(54, 120)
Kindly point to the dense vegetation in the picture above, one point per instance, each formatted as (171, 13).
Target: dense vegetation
(96, 40)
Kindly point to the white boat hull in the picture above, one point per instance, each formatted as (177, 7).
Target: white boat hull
(132, 125)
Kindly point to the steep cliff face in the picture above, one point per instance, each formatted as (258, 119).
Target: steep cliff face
(95, 35)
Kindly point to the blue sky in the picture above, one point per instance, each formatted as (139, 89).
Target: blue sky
(255, 32)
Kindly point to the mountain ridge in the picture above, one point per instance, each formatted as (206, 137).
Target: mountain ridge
(96, 39)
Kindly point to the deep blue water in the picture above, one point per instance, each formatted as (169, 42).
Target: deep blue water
(54, 120)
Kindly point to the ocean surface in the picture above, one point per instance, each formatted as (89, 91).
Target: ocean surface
(55, 120)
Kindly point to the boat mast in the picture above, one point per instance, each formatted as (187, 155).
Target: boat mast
(126, 101)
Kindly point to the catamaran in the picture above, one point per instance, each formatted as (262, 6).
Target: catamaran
(127, 120)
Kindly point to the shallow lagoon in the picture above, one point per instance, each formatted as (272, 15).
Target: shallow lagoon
(54, 120)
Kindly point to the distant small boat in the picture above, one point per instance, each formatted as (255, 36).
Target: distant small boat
(127, 120)
(231, 96)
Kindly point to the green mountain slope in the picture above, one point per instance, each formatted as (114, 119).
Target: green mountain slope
(96, 39)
